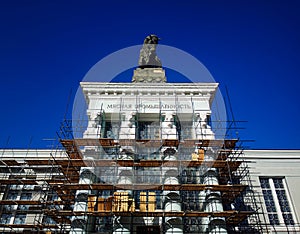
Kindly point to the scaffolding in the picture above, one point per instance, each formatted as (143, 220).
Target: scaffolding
(55, 189)
(123, 184)
(165, 173)
(151, 184)
(190, 202)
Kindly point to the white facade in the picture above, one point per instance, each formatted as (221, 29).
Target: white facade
(124, 101)
(273, 166)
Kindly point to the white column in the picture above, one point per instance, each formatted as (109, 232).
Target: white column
(212, 203)
(169, 130)
(171, 199)
(94, 125)
(127, 129)
(79, 223)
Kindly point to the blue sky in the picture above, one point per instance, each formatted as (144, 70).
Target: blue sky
(252, 47)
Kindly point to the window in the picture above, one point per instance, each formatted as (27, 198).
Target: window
(12, 195)
(276, 201)
(111, 129)
(5, 218)
(208, 120)
(9, 207)
(147, 130)
(25, 196)
(20, 219)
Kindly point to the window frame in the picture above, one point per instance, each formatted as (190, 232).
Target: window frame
(275, 196)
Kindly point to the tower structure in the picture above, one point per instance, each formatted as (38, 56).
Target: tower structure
(148, 161)
(168, 171)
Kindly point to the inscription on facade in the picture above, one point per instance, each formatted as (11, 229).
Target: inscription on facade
(149, 106)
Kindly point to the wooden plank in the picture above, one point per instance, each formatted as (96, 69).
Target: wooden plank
(170, 143)
(143, 201)
(105, 204)
(19, 202)
(92, 202)
(19, 181)
(232, 217)
(225, 144)
(11, 162)
(184, 187)
(151, 201)
(107, 142)
(71, 149)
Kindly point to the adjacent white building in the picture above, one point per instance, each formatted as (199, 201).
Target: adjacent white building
(276, 176)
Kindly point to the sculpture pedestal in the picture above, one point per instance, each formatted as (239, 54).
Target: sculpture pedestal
(149, 75)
